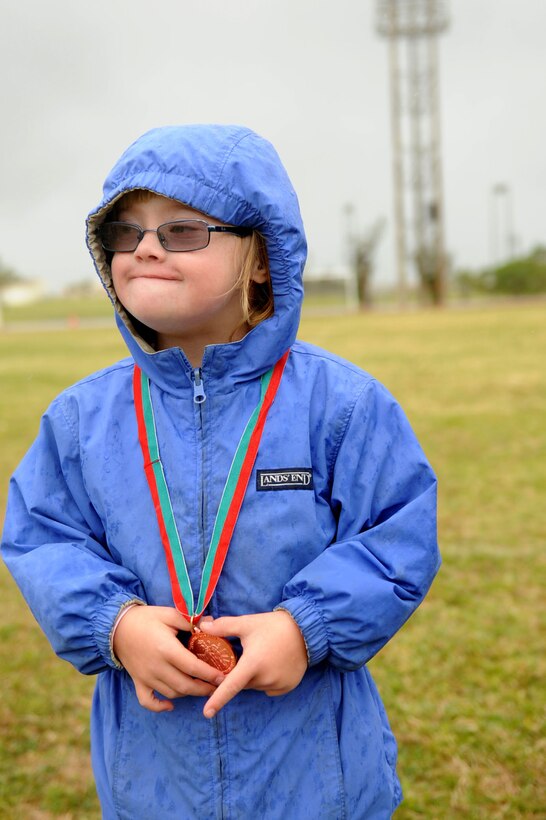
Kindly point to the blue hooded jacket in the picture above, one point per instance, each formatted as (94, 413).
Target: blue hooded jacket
(349, 553)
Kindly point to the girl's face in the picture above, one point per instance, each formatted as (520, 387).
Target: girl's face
(190, 299)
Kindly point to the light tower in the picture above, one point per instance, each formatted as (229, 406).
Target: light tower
(412, 27)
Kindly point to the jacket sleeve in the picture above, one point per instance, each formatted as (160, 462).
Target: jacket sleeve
(55, 547)
(357, 593)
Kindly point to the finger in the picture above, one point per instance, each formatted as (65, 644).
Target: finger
(225, 627)
(173, 683)
(187, 663)
(173, 618)
(186, 687)
(149, 700)
(234, 682)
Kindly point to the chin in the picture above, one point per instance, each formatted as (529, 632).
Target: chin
(157, 325)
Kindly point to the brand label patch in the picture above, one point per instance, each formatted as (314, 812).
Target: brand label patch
(294, 478)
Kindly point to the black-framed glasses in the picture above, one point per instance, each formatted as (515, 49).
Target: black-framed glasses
(181, 235)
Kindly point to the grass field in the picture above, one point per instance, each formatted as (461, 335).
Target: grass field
(70, 309)
(464, 681)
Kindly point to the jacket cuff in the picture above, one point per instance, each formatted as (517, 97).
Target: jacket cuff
(309, 620)
(103, 626)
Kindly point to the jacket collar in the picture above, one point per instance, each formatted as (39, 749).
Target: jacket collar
(224, 366)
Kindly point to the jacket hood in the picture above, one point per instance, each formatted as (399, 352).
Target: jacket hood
(236, 176)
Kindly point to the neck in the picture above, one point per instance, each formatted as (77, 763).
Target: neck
(194, 345)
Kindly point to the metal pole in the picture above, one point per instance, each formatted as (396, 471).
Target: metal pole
(493, 227)
(510, 243)
(416, 148)
(397, 162)
(502, 228)
(437, 177)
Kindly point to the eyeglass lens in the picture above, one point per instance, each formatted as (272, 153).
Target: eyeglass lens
(187, 235)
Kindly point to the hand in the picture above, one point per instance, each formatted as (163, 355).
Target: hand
(274, 658)
(146, 644)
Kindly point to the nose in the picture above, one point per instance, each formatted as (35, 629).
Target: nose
(149, 246)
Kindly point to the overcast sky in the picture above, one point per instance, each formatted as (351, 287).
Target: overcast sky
(80, 81)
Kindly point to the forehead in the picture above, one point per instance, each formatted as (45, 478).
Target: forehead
(146, 202)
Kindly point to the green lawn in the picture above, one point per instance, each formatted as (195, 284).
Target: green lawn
(67, 309)
(464, 680)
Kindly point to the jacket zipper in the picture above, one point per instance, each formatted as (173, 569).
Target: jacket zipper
(198, 386)
(216, 729)
(199, 398)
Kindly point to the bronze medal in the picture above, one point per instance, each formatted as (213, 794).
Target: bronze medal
(213, 650)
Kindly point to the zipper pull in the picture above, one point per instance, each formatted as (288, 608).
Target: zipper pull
(198, 387)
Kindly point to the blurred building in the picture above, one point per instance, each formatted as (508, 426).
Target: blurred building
(22, 292)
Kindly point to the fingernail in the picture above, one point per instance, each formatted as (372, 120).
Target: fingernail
(209, 713)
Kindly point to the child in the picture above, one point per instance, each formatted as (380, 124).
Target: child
(324, 541)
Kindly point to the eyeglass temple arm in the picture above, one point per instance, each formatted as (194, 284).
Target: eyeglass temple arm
(229, 229)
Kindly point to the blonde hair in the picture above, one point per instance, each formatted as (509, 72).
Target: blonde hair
(256, 297)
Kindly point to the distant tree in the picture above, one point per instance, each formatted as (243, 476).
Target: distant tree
(363, 251)
(432, 270)
(468, 282)
(8, 276)
(518, 277)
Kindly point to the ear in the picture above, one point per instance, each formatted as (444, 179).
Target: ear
(259, 274)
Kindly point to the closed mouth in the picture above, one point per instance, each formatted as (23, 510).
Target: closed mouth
(161, 277)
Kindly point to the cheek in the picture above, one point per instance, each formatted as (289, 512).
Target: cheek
(116, 268)
(220, 274)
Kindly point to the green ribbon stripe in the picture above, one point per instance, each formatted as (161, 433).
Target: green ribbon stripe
(166, 510)
(229, 489)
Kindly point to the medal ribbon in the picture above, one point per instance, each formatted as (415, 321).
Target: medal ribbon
(230, 503)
